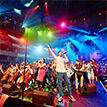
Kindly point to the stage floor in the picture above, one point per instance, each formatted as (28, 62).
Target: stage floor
(97, 99)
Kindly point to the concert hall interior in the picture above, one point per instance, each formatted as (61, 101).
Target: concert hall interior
(53, 53)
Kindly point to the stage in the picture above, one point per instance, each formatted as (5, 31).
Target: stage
(97, 99)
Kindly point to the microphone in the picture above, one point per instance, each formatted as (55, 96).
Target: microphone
(64, 53)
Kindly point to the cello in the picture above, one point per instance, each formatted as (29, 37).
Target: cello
(21, 78)
(6, 75)
(12, 78)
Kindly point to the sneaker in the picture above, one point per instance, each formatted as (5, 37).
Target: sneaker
(60, 99)
(71, 98)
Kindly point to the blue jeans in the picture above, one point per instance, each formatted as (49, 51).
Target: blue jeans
(60, 76)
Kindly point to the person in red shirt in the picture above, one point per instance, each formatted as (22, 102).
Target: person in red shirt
(95, 69)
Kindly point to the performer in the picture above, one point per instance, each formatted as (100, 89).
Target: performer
(61, 72)
(9, 72)
(78, 68)
(95, 69)
(41, 73)
(84, 71)
(73, 76)
(90, 72)
(1, 72)
(14, 75)
(29, 77)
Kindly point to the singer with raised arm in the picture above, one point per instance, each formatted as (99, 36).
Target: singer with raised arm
(61, 73)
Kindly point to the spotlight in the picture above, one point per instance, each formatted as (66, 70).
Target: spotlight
(63, 24)
(49, 34)
(39, 48)
(45, 3)
(22, 39)
(39, 32)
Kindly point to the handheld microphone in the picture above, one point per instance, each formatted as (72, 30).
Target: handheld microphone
(64, 53)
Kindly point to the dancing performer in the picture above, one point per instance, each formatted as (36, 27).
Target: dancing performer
(90, 72)
(29, 77)
(41, 73)
(1, 72)
(78, 74)
(61, 73)
(84, 72)
(95, 69)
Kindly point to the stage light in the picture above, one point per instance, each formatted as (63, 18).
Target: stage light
(46, 9)
(63, 24)
(33, 10)
(27, 3)
(103, 29)
(22, 40)
(77, 29)
(45, 3)
(17, 11)
(13, 37)
(39, 32)
(49, 34)
(39, 48)
(71, 53)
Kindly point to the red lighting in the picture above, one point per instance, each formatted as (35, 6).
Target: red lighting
(63, 24)
(34, 9)
(46, 9)
(45, 3)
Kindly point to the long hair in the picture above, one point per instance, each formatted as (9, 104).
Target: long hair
(43, 60)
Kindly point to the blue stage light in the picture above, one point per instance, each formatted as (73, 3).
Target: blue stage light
(77, 29)
(27, 3)
(71, 53)
(103, 29)
(17, 11)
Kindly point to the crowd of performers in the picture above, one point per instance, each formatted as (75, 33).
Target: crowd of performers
(59, 69)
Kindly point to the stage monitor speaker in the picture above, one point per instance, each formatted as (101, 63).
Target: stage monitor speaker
(7, 101)
(88, 89)
(7, 88)
(43, 97)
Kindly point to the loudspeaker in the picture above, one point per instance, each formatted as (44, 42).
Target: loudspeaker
(41, 97)
(88, 89)
(7, 88)
(14, 102)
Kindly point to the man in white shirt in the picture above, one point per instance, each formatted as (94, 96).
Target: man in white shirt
(61, 73)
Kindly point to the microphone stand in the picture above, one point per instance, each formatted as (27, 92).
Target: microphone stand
(23, 86)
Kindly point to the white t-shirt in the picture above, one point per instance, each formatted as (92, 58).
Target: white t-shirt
(60, 64)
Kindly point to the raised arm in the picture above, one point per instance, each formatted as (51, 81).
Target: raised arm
(53, 54)
(66, 58)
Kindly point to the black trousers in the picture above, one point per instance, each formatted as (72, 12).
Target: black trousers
(85, 76)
